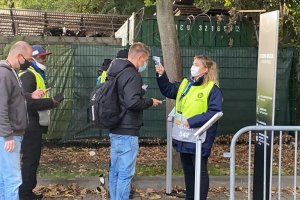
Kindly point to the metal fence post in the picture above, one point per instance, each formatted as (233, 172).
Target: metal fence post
(254, 129)
(169, 152)
(198, 155)
(198, 168)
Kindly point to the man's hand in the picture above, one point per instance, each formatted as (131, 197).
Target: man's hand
(159, 69)
(38, 94)
(9, 145)
(156, 102)
(55, 103)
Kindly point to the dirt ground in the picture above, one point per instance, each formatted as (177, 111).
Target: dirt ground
(82, 160)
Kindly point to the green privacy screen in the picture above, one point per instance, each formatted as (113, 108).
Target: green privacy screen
(202, 31)
(73, 69)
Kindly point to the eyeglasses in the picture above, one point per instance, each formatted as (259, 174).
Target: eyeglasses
(28, 59)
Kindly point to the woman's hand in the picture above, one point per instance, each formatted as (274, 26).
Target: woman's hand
(186, 124)
(159, 69)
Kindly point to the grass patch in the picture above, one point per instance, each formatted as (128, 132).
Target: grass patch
(141, 170)
(61, 173)
(217, 170)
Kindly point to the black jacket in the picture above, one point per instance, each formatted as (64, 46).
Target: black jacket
(33, 105)
(130, 97)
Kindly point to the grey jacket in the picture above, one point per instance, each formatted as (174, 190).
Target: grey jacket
(13, 112)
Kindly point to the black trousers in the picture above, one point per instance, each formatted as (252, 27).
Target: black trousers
(31, 153)
(188, 165)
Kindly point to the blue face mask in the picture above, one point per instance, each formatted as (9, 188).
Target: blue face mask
(144, 67)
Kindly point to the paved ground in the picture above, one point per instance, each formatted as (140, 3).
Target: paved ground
(218, 184)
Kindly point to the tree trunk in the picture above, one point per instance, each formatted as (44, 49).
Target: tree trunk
(170, 49)
(286, 33)
(169, 39)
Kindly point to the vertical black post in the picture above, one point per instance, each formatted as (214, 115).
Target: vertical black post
(265, 102)
(258, 178)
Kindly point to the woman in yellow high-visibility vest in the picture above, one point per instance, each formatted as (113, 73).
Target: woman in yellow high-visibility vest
(198, 98)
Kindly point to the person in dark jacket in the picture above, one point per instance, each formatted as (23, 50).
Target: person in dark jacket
(13, 118)
(105, 65)
(124, 138)
(39, 117)
(102, 72)
(197, 100)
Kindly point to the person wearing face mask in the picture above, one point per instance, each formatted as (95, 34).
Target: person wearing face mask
(198, 98)
(33, 77)
(124, 137)
(13, 118)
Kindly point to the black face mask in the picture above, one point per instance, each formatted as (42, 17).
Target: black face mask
(25, 65)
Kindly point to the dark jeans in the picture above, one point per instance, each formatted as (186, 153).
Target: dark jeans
(188, 165)
(31, 150)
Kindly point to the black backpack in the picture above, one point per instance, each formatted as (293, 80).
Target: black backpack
(104, 110)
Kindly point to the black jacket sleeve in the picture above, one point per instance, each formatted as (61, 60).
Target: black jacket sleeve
(168, 89)
(133, 98)
(29, 86)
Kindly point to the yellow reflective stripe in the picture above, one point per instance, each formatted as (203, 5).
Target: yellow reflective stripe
(103, 76)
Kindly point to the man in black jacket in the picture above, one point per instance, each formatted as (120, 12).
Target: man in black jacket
(124, 138)
(34, 78)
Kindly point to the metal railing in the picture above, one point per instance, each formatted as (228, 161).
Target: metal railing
(198, 134)
(274, 130)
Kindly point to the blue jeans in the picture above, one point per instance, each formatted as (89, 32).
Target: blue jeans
(10, 170)
(123, 153)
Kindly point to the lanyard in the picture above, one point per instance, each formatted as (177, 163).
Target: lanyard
(15, 74)
(185, 91)
(19, 81)
(183, 95)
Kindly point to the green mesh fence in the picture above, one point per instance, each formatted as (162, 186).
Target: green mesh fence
(72, 68)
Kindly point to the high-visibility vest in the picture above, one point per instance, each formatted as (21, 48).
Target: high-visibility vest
(44, 115)
(194, 102)
(40, 83)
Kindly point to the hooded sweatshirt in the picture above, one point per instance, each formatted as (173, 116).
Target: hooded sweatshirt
(13, 112)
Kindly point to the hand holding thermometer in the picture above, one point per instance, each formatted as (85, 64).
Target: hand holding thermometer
(156, 60)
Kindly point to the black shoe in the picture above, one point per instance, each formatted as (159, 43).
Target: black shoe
(36, 196)
(131, 194)
(33, 196)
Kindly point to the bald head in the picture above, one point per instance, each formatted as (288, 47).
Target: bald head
(18, 53)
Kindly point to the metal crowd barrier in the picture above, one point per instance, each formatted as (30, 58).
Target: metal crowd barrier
(198, 134)
(274, 130)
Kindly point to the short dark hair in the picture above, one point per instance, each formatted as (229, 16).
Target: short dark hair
(105, 65)
(122, 53)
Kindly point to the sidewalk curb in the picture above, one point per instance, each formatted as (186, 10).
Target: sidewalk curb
(159, 182)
